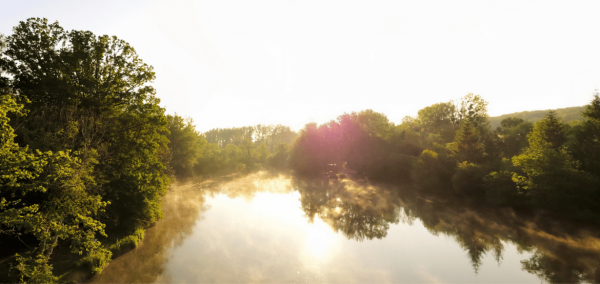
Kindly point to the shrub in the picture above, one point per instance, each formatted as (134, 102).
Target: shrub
(31, 269)
(97, 260)
(128, 242)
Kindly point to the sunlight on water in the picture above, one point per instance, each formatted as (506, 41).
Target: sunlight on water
(269, 229)
(284, 208)
(320, 239)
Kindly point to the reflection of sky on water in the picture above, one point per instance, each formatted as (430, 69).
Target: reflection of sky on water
(263, 228)
(268, 239)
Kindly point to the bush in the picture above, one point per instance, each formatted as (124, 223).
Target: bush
(31, 269)
(97, 260)
(129, 242)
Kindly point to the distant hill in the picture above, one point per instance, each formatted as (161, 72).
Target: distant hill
(568, 114)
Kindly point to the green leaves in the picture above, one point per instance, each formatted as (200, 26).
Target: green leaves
(52, 66)
(185, 145)
(102, 135)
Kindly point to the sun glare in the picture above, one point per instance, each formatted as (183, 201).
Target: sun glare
(320, 239)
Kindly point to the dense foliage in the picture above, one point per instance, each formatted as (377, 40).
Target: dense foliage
(450, 148)
(84, 144)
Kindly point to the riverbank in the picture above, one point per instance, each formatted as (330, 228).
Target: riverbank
(181, 206)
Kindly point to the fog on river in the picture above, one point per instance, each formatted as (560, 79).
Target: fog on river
(274, 228)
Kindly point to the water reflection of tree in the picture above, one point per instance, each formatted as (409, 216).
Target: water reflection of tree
(357, 210)
(564, 267)
(561, 252)
(248, 186)
(146, 263)
(183, 206)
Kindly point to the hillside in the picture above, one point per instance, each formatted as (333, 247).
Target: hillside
(568, 114)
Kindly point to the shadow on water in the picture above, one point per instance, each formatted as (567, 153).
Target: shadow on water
(561, 252)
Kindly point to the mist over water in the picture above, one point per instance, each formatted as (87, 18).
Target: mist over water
(275, 228)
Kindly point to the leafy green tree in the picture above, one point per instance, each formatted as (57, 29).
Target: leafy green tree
(226, 136)
(551, 176)
(473, 108)
(439, 118)
(212, 161)
(262, 154)
(513, 135)
(92, 94)
(280, 158)
(51, 66)
(586, 145)
(185, 144)
(135, 171)
(234, 157)
(279, 134)
(46, 195)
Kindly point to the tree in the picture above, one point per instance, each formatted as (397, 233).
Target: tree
(511, 122)
(513, 135)
(92, 94)
(45, 194)
(439, 118)
(548, 133)
(551, 176)
(473, 108)
(586, 145)
(469, 146)
(431, 172)
(185, 145)
(279, 159)
(51, 66)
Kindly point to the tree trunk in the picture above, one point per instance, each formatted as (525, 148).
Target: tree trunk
(49, 253)
(40, 249)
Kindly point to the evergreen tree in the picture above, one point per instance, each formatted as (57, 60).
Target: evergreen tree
(469, 146)
(551, 176)
(586, 145)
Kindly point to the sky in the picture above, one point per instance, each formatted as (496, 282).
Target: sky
(239, 63)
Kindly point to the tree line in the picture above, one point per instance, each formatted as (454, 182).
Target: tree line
(450, 148)
(227, 150)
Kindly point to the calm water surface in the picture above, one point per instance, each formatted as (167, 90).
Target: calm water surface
(263, 228)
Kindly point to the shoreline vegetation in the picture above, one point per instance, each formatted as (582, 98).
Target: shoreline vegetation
(87, 154)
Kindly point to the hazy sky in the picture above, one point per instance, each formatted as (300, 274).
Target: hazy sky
(237, 63)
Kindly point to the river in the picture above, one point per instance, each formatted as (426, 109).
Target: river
(274, 228)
